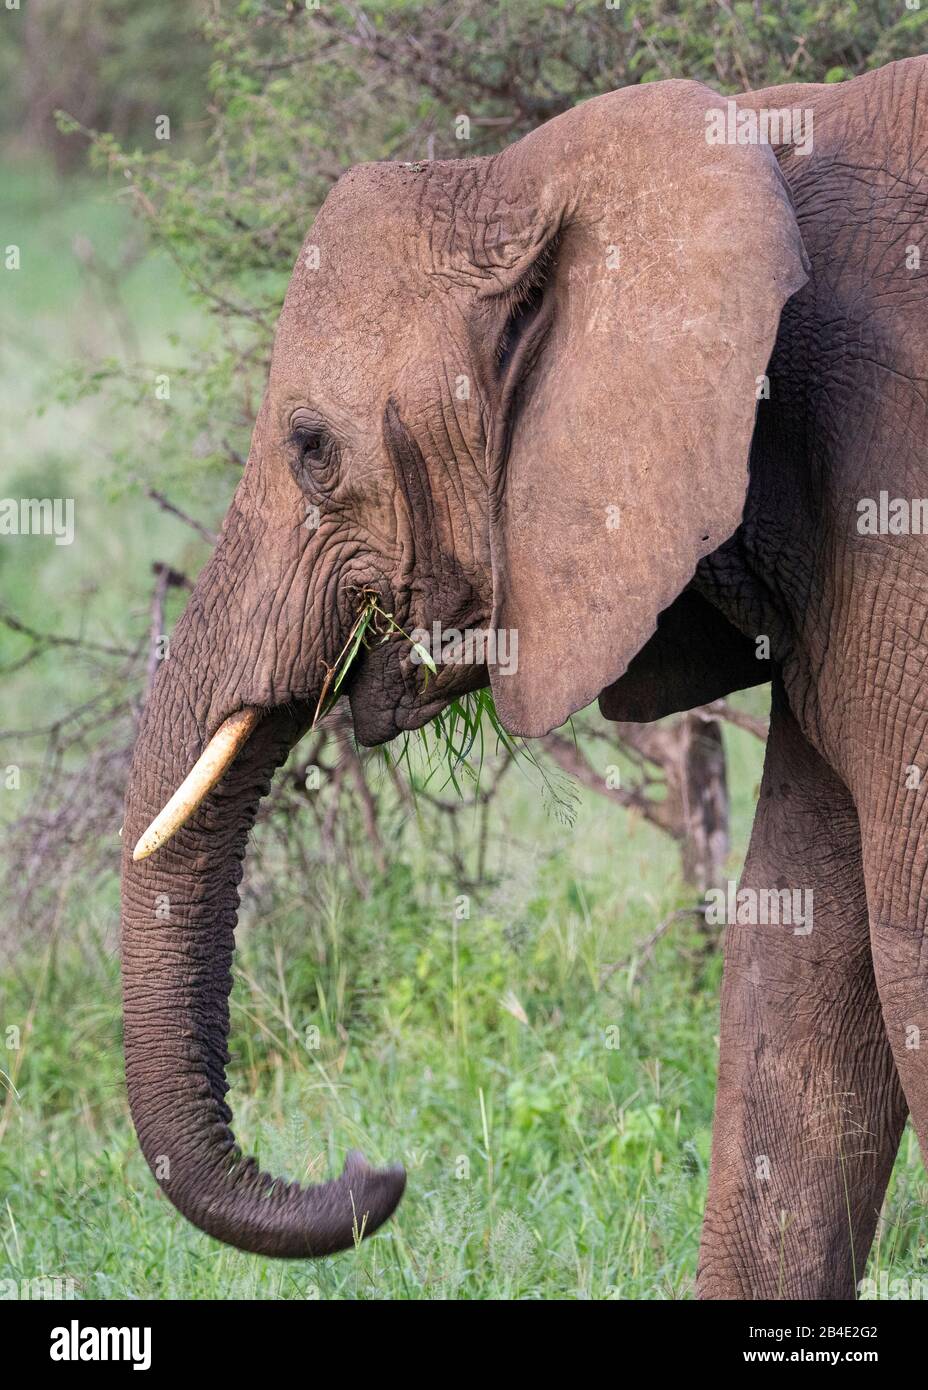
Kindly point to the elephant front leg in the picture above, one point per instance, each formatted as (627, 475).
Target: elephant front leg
(895, 834)
(809, 1109)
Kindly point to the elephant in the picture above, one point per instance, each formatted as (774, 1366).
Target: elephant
(647, 389)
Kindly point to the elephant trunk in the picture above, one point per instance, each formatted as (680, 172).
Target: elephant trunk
(179, 912)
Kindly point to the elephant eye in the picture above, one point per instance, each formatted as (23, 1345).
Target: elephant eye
(308, 443)
(312, 456)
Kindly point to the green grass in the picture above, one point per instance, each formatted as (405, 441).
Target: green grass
(544, 1160)
(554, 1117)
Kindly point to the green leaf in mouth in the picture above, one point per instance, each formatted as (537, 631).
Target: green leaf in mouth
(457, 732)
(370, 616)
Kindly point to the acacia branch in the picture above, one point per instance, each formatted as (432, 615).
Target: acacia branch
(48, 639)
(571, 760)
(721, 709)
(167, 505)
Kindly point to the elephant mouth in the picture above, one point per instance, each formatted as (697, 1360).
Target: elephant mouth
(375, 722)
(415, 702)
(391, 695)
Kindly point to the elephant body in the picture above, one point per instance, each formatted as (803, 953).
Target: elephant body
(818, 1065)
(652, 403)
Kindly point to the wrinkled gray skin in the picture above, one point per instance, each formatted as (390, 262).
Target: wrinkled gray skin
(492, 358)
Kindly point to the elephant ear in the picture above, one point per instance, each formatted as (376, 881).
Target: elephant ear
(695, 656)
(647, 271)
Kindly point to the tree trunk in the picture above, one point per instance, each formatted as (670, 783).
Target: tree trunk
(704, 801)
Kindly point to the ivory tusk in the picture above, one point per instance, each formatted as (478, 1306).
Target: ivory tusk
(200, 780)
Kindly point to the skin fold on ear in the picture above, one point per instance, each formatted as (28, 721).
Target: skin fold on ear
(622, 458)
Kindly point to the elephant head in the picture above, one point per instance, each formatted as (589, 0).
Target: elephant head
(509, 394)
